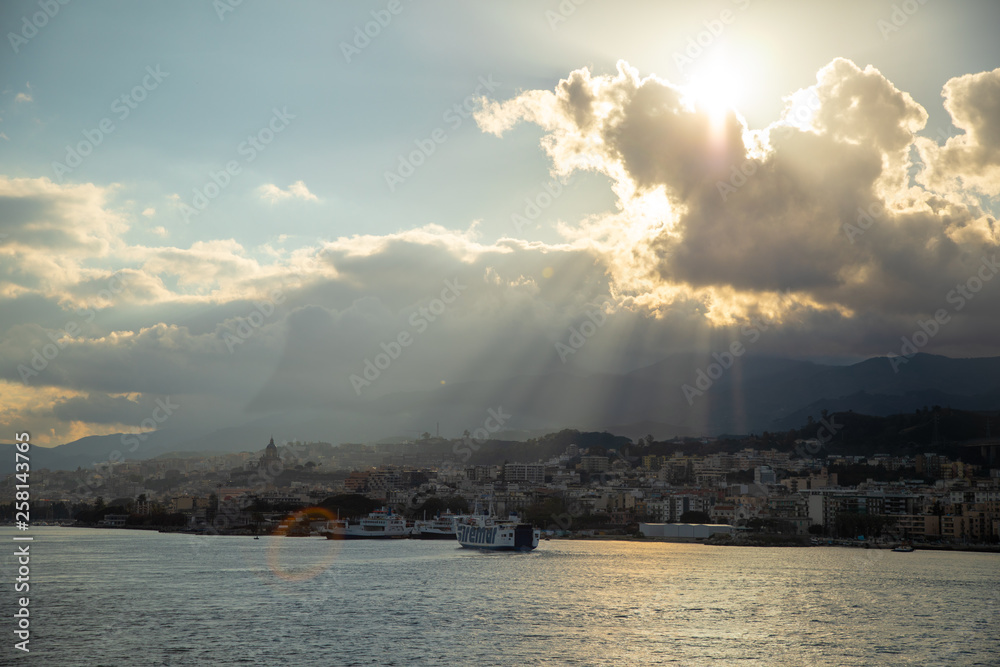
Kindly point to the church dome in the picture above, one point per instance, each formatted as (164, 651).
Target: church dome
(270, 452)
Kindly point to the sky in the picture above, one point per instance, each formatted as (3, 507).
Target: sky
(243, 207)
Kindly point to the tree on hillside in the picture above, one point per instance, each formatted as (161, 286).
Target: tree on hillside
(350, 505)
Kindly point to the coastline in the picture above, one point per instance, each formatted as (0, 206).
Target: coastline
(974, 548)
(759, 541)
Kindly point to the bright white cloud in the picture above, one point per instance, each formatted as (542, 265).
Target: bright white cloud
(296, 190)
(971, 159)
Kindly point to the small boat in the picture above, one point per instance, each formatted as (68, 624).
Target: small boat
(903, 549)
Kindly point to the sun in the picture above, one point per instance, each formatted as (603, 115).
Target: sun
(716, 88)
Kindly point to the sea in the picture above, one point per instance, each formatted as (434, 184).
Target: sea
(124, 597)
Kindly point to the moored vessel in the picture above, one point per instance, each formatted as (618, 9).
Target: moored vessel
(441, 527)
(380, 524)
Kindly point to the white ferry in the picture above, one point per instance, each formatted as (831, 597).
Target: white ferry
(441, 527)
(484, 531)
(380, 524)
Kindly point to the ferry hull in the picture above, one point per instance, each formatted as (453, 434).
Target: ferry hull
(499, 537)
(362, 536)
(424, 535)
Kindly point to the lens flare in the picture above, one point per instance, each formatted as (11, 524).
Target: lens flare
(274, 548)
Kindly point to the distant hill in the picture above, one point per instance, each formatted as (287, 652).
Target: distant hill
(676, 396)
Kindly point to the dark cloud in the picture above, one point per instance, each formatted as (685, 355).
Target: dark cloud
(817, 207)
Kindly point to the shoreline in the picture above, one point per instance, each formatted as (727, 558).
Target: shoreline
(973, 548)
(778, 541)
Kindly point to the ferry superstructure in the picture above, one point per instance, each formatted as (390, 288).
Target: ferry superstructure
(484, 531)
(380, 524)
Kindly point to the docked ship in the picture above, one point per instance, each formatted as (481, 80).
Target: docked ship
(485, 531)
(441, 527)
(380, 524)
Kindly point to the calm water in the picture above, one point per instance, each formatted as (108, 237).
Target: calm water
(138, 598)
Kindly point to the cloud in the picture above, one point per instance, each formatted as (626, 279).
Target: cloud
(149, 212)
(55, 233)
(297, 190)
(738, 218)
(23, 97)
(811, 222)
(971, 159)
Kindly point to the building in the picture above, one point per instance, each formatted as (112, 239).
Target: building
(183, 504)
(479, 473)
(594, 463)
(764, 475)
(920, 526)
(270, 461)
(528, 473)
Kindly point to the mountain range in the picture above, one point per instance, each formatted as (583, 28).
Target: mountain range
(684, 394)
